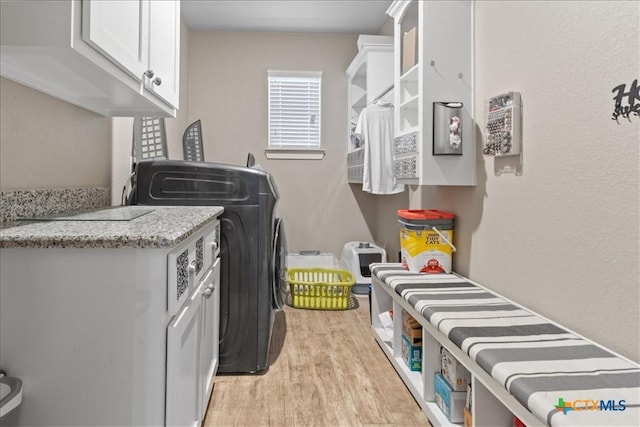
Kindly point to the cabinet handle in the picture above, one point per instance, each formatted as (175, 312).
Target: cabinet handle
(207, 293)
(149, 73)
(157, 81)
(214, 245)
(192, 267)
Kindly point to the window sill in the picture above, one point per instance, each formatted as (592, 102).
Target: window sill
(294, 153)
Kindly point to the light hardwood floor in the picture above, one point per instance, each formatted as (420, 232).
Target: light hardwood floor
(326, 369)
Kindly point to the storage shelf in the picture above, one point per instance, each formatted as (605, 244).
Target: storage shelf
(385, 336)
(435, 78)
(413, 381)
(411, 103)
(408, 130)
(414, 377)
(408, 181)
(409, 120)
(493, 405)
(408, 90)
(411, 75)
(369, 74)
(360, 102)
(360, 79)
(436, 417)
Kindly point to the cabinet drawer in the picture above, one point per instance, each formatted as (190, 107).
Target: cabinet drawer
(187, 264)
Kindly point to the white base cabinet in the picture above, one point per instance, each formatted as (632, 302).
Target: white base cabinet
(93, 335)
(192, 353)
(492, 405)
(115, 58)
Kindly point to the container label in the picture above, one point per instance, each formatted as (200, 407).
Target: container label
(425, 251)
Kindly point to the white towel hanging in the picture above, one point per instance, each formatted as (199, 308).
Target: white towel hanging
(376, 127)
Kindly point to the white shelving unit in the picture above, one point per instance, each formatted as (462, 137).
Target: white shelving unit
(492, 404)
(443, 48)
(369, 75)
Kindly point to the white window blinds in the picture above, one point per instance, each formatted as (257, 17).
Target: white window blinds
(294, 109)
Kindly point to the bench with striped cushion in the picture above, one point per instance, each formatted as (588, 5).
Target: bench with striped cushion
(537, 361)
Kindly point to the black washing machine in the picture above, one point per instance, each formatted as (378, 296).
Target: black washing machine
(253, 247)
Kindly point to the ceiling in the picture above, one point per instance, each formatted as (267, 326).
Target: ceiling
(300, 16)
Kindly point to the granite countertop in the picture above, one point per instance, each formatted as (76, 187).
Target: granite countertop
(163, 227)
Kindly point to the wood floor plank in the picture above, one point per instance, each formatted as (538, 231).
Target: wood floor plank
(326, 369)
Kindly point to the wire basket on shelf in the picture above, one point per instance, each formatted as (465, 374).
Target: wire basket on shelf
(320, 288)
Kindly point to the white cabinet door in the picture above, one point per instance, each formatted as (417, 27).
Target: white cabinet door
(95, 54)
(119, 30)
(209, 354)
(183, 347)
(164, 49)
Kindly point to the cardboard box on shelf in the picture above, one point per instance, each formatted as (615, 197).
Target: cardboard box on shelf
(411, 342)
(411, 329)
(409, 49)
(456, 375)
(411, 354)
(450, 402)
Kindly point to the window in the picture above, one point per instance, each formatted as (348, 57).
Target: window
(294, 114)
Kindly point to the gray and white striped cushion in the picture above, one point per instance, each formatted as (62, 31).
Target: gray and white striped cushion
(538, 362)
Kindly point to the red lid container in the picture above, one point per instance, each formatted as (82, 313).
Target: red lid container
(424, 214)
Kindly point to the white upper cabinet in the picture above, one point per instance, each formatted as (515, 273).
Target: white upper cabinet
(434, 129)
(164, 49)
(115, 58)
(118, 30)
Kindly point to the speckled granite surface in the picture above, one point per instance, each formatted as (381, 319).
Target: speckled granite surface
(163, 227)
(30, 203)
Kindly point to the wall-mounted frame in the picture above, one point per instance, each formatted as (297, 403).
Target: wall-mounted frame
(503, 117)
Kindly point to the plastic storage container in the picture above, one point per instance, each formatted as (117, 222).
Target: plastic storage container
(426, 238)
(320, 288)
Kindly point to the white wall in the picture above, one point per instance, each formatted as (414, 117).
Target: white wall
(565, 232)
(228, 79)
(561, 235)
(46, 143)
